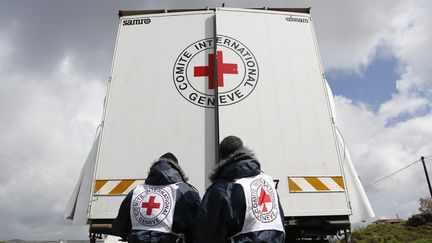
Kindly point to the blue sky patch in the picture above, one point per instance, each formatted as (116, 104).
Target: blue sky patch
(373, 86)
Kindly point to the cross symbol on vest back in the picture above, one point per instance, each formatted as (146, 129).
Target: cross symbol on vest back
(263, 199)
(150, 205)
(208, 71)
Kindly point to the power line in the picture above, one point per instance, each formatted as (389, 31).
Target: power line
(13, 153)
(30, 173)
(386, 177)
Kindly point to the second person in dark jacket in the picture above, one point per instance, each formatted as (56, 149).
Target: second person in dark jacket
(242, 204)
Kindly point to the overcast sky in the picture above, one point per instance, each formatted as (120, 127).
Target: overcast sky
(55, 59)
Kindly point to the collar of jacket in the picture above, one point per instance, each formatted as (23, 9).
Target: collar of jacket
(241, 163)
(164, 172)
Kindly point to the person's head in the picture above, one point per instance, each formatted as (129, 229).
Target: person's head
(169, 156)
(228, 146)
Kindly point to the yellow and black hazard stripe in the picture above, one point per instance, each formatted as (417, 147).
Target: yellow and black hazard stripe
(316, 184)
(115, 187)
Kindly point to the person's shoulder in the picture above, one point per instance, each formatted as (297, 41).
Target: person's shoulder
(186, 187)
(221, 185)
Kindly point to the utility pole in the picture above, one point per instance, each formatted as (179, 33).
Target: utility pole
(427, 176)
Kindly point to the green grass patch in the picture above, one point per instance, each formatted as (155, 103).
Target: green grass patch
(388, 233)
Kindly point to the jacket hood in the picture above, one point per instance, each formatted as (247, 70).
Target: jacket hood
(241, 163)
(165, 171)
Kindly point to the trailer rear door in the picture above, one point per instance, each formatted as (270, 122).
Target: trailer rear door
(276, 101)
(146, 113)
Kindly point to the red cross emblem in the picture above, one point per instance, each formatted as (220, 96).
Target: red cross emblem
(150, 205)
(223, 68)
(263, 199)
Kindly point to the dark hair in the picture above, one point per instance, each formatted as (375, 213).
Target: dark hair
(228, 146)
(169, 156)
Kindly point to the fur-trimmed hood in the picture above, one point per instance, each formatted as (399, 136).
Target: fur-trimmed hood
(241, 163)
(165, 171)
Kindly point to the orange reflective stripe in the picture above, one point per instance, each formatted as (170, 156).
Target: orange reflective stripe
(317, 184)
(293, 186)
(99, 184)
(121, 187)
(339, 181)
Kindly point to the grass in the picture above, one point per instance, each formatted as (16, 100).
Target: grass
(389, 233)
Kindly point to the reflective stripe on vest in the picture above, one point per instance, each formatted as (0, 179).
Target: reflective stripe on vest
(262, 204)
(152, 207)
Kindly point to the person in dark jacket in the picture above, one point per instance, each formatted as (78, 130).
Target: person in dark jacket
(242, 204)
(160, 210)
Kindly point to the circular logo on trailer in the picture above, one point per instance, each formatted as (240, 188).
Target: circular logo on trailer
(196, 68)
(152, 206)
(264, 201)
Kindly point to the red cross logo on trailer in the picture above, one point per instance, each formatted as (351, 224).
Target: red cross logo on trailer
(223, 68)
(198, 66)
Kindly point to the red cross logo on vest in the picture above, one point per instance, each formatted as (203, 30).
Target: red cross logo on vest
(150, 205)
(264, 202)
(263, 199)
(223, 68)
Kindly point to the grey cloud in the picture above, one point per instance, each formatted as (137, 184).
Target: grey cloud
(47, 151)
(385, 150)
(47, 30)
(28, 214)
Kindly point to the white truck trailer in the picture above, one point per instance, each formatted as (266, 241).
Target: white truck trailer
(181, 80)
